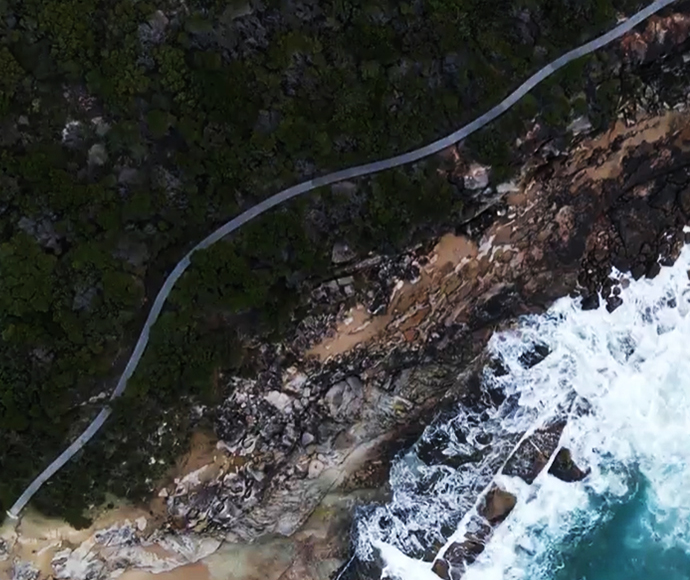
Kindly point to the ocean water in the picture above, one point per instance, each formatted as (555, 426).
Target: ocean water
(623, 381)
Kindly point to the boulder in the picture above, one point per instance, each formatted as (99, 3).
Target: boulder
(477, 177)
(441, 568)
(535, 355)
(465, 552)
(279, 400)
(307, 438)
(97, 154)
(344, 399)
(478, 529)
(580, 125)
(315, 468)
(534, 452)
(342, 253)
(613, 302)
(461, 554)
(565, 469)
(497, 505)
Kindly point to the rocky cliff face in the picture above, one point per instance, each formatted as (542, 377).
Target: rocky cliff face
(391, 342)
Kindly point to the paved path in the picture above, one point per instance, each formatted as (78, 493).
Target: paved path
(291, 192)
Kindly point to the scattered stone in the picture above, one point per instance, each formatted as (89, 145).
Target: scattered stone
(279, 400)
(24, 571)
(461, 554)
(132, 250)
(294, 381)
(613, 302)
(307, 439)
(434, 448)
(244, 418)
(315, 468)
(478, 529)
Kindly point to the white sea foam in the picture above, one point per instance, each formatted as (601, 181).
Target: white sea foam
(633, 369)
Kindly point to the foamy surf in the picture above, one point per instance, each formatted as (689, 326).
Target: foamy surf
(632, 367)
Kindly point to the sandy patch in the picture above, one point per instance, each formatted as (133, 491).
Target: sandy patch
(197, 571)
(649, 130)
(408, 305)
(358, 327)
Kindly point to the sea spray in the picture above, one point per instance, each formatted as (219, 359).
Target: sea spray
(630, 370)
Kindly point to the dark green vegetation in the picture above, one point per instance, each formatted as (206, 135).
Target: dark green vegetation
(210, 111)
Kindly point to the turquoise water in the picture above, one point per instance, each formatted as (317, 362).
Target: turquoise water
(630, 518)
(622, 546)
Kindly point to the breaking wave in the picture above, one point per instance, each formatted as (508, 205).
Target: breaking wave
(622, 380)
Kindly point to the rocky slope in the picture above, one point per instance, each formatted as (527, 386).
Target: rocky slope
(390, 343)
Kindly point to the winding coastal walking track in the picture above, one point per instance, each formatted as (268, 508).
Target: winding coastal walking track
(305, 187)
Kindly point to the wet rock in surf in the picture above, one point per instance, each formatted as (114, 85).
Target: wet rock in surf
(534, 452)
(469, 549)
(437, 449)
(565, 469)
(535, 355)
(497, 505)
(441, 568)
(478, 529)
(461, 554)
